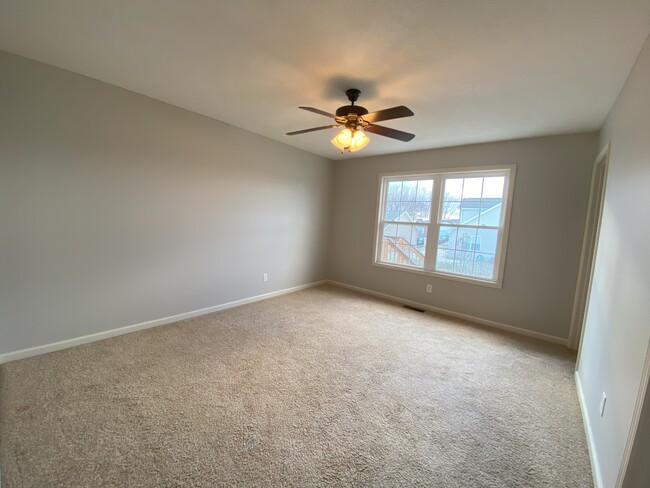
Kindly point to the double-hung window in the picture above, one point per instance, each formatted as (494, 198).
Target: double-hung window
(452, 224)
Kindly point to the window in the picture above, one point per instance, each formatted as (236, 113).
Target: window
(451, 224)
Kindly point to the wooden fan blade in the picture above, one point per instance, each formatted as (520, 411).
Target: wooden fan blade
(320, 112)
(312, 129)
(388, 114)
(388, 132)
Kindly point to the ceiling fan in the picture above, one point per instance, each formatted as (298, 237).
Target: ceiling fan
(355, 119)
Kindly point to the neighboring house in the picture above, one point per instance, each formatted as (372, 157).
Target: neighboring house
(405, 244)
(473, 213)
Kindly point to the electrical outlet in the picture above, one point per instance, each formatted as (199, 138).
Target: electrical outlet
(266, 277)
(429, 289)
(603, 401)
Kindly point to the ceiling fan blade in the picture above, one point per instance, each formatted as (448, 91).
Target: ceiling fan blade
(312, 129)
(380, 130)
(388, 114)
(320, 112)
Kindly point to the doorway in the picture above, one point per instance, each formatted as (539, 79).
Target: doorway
(589, 246)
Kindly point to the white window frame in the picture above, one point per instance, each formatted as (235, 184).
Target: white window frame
(438, 176)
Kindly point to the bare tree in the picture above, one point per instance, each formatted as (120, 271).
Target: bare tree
(450, 210)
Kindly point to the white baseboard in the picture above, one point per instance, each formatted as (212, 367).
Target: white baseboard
(471, 318)
(77, 341)
(593, 456)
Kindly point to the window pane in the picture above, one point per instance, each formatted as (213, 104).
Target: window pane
(389, 250)
(469, 211)
(394, 192)
(390, 230)
(493, 187)
(407, 212)
(417, 245)
(425, 189)
(392, 211)
(483, 265)
(488, 240)
(445, 260)
(466, 239)
(491, 212)
(457, 262)
(450, 213)
(472, 188)
(453, 189)
(404, 233)
(423, 211)
(446, 253)
(463, 262)
(421, 239)
(446, 237)
(409, 190)
(405, 245)
(417, 259)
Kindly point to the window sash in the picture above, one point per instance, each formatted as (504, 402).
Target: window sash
(497, 252)
(380, 238)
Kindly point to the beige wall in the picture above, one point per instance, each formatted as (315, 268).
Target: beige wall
(548, 214)
(617, 330)
(117, 209)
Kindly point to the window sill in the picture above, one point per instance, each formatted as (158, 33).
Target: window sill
(438, 274)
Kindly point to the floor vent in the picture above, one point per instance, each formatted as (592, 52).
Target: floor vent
(421, 310)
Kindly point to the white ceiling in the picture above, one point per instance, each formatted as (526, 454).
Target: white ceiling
(472, 71)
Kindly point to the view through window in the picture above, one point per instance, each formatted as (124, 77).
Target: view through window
(445, 223)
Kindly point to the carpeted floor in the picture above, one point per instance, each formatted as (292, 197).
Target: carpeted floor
(324, 387)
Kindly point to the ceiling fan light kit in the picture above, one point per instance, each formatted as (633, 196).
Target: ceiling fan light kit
(355, 120)
(349, 141)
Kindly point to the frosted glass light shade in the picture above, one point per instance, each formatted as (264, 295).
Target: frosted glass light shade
(343, 139)
(347, 141)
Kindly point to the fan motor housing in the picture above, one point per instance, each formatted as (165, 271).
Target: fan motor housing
(351, 109)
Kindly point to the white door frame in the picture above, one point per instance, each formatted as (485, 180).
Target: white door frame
(636, 419)
(589, 246)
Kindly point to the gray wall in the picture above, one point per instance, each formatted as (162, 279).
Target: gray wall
(117, 209)
(617, 329)
(638, 470)
(548, 214)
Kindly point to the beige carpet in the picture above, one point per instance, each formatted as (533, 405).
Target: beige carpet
(324, 387)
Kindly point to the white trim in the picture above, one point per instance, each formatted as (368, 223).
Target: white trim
(439, 274)
(591, 445)
(77, 341)
(451, 171)
(451, 313)
(589, 249)
(433, 230)
(636, 418)
(380, 198)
